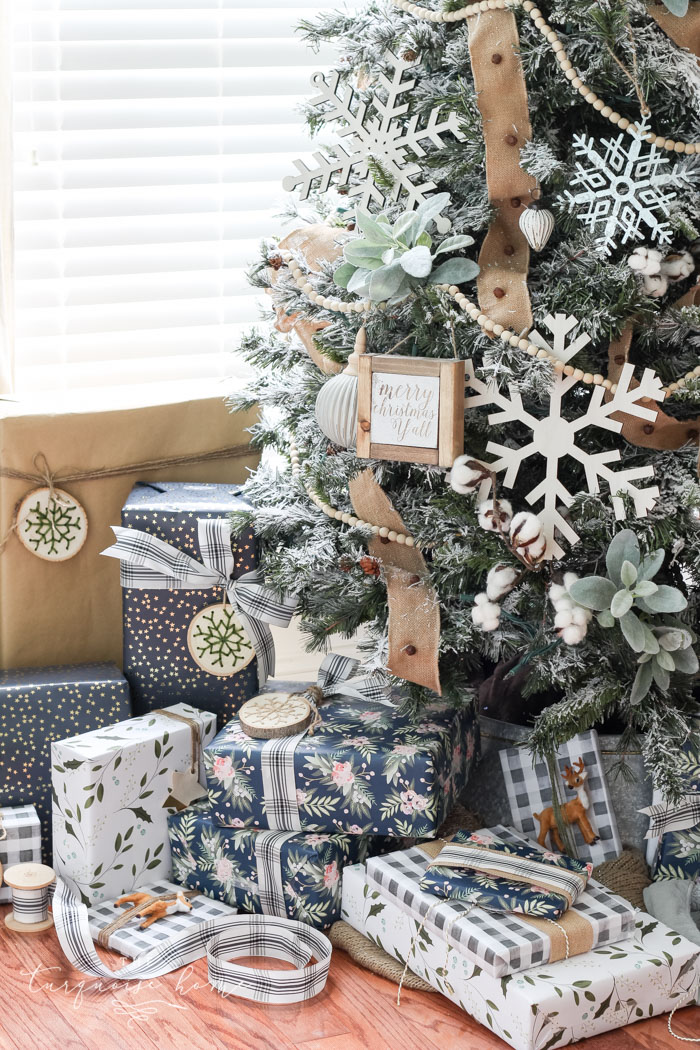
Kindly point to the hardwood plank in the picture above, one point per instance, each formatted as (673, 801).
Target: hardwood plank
(334, 1042)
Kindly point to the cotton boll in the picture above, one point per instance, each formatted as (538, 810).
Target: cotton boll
(573, 635)
(569, 579)
(580, 616)
(534, 551)
(655, 285)
(646, 261)
(486, 614)
(563, 619)
(467, 474)
(499, 581)
(677, 266)
(525, 528)
(495, 519)
(557, 593)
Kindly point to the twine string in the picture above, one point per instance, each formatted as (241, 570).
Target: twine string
(44, 477)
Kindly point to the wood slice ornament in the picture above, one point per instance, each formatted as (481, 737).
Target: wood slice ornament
(51, 524)
(273, 715)
(218, 642)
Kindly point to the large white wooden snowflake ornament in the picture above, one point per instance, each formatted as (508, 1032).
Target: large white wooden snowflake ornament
(624, 191)
(554, 437)
(388, 140)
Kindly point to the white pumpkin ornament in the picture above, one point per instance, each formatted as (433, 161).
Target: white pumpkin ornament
(537, 224)
(336, 404)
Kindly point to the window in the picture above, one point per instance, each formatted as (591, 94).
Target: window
(150, 141)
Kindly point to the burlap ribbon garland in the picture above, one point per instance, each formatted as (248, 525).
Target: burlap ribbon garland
(502, 99)
(665, 432)
(572, 934)
(414, 609)
(684, 31)
(318, 244)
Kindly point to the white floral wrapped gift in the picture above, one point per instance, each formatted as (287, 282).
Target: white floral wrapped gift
(112, 792)
(546, 1006)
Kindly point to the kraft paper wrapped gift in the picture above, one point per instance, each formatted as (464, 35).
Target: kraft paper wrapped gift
(38, 705)
(20, 840)
(501, 943)
(273, 872)
(367, 769)
(111, 795)
(157, 660)
(546, 1006)
(130, 940)
(71, 611)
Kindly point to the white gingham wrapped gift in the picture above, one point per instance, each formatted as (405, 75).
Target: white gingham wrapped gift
(530, 791)
(500, 943)
(20, 840)
(132, 941)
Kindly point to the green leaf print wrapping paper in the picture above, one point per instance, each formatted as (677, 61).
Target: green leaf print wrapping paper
(110, 788)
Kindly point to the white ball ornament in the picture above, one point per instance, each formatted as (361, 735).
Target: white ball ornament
(336, 403)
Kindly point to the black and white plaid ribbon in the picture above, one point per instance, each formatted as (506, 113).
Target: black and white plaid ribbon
(499, 864)
(277, 755)
(151, 563)
(664, 817)
(221, 939)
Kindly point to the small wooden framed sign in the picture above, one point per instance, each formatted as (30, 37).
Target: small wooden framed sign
(410, 409)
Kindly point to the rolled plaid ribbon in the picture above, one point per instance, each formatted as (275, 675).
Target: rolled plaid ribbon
(150, 563)
(664, 817)
(221, 939)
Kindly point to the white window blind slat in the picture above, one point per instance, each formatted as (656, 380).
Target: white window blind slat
(151, 139)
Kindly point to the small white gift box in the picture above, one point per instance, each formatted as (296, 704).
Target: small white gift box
(545, 1006)
(112, 796)
(20, 840)
(500, 942)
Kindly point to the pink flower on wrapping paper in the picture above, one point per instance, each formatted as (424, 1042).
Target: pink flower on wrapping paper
(552, 856)
(236, 735)
(317, 840)
(471, 747)
(342, 773)
(411, 801)
(357, 741)
(481, 840)
(301, 797)
(237, 823)
(429, 727)
(405, 749)
(331, 875)
(224, 869)
(589, 868)
(354, 829)
(223, 767)
(369, 716)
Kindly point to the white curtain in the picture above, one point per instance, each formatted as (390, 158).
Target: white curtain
(6, 227)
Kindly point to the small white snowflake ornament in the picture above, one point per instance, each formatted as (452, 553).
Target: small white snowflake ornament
(554, 437)
(624, 189)
(51, 524)
(218, 642)
(389, 138)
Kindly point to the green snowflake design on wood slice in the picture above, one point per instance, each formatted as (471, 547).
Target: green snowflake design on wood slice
(52, 524)
(217, 641)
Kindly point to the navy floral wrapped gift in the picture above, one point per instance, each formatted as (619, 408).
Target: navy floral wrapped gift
(276, 873)
(506, 876)
(678, 855)
(367, 769)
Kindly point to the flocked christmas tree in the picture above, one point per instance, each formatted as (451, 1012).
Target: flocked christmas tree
(566, 539)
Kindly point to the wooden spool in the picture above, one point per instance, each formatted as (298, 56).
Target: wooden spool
(273, 715)
(30, 885)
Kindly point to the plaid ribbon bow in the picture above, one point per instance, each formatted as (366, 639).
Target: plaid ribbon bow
(150, 563)
(664, 817)
(334, 680)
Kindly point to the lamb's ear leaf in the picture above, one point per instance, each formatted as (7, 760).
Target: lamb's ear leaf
(428, 210)
(633, 630)
(686, 661)
(651, 564)
(623, 547)
(593, 592)
(677, 7)
(375, 232)
(343, 274)
(454, 271)
(642, 683)
(660, 675)
(666, 600)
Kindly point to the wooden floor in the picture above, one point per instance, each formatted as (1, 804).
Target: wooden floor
(45, 1005)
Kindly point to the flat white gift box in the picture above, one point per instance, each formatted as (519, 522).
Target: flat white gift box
(543, 1007)
(110, 786)
(502, 943)
(20, 840)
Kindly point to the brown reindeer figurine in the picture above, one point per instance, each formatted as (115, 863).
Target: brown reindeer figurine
(573, 812)
(157, 909)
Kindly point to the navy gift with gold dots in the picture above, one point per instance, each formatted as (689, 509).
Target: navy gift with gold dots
(42, 704)
(157, 661)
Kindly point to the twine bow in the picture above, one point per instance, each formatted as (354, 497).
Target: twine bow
(148, 562)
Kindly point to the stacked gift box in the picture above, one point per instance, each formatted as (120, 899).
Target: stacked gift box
(510, 970)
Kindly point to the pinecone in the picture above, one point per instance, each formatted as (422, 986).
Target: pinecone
(276, 262)
(345, 563)
(409, 56)
(369, 565)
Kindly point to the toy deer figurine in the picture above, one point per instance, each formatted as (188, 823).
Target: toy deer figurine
(157, 909)
(573, 812)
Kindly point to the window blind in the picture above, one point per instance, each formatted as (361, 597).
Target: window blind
(150, 141)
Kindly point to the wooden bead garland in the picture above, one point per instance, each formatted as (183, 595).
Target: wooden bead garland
(552, 37)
